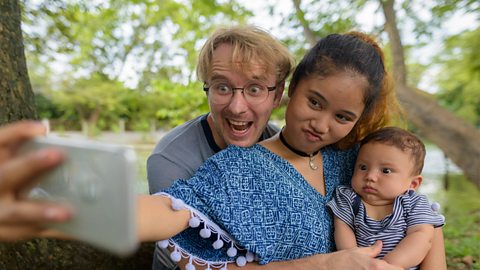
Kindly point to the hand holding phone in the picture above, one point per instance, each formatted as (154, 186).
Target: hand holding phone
(98, 181)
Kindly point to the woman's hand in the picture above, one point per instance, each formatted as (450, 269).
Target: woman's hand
(21, 218)
(348, 259)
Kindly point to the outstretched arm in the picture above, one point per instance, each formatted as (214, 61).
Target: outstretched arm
(413, 248)
(156, 220)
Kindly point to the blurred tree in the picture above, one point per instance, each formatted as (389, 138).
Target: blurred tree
(458, 139)
(459, 77)
(125, 40)
(138, 43)
(91, 100)
(16, 96)
(17, 102)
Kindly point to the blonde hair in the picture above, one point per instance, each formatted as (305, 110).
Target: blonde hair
(249, 44)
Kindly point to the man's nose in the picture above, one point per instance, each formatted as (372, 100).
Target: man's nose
(238, 104)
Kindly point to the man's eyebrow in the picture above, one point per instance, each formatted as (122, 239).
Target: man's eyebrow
(218, 77)
(259, 77)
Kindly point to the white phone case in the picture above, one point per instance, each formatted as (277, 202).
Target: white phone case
(98, 181)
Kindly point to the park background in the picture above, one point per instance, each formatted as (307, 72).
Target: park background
(124, 71)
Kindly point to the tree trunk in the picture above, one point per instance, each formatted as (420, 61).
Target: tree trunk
(459, 140)
(17, 102)
(16, 96)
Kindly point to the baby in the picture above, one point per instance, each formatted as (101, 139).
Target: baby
(382, 203)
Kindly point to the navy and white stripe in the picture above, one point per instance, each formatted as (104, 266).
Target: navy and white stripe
(409, 209)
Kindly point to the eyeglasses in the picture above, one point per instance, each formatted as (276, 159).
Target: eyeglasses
(221, 92)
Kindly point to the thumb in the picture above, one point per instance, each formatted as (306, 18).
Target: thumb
(373, 250)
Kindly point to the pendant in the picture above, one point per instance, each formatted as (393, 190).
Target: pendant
(312, 165)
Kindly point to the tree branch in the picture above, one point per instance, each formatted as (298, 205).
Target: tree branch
(458, 139)
(309, 34)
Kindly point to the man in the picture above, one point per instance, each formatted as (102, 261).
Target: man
(236, 65)
(244, 71)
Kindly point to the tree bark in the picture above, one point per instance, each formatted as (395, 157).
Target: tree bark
(459, 140)
(16, 95)
(17, 102)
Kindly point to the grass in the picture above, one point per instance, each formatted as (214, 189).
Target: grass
(142, 154)
(461, 207)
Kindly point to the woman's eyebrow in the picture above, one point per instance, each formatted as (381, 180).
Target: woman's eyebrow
(318, 95)
(323, 99)
(351, 114)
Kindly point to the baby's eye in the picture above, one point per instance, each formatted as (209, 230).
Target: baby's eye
(386, 170)
(362, 167)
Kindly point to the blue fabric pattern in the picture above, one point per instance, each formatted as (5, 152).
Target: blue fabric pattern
(266, 206)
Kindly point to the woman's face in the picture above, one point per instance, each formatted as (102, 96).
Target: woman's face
(323, 111)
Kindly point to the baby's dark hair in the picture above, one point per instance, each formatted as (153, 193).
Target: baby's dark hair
(358, 54)
(403, 140)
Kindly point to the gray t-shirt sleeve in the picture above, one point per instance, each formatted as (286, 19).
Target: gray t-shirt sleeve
(162, 172)
(178, 155)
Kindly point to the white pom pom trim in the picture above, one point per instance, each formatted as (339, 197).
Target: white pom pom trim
(209, 227)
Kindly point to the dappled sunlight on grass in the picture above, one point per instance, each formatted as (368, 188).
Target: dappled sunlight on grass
(461, 207)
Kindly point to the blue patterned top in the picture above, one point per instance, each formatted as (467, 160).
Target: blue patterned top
(265, 205)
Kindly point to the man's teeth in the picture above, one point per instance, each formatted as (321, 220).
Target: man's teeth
(239, 125)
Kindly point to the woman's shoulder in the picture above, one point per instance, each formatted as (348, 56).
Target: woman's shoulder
(234, 154)
(351, 151)
(240, 150)
(335, 156)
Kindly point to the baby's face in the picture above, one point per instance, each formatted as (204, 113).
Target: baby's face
(383, 172)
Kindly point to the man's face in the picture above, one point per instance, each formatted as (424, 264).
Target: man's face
(238, 122)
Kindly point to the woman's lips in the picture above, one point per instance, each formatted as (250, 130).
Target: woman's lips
(312, 136)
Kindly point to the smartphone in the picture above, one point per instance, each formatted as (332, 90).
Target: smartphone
(97, 180)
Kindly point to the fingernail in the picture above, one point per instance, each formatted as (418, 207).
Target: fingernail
(53, 213)
(51, 156)
(39, 126)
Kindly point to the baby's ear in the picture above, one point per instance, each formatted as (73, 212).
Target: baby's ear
(416, 181)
